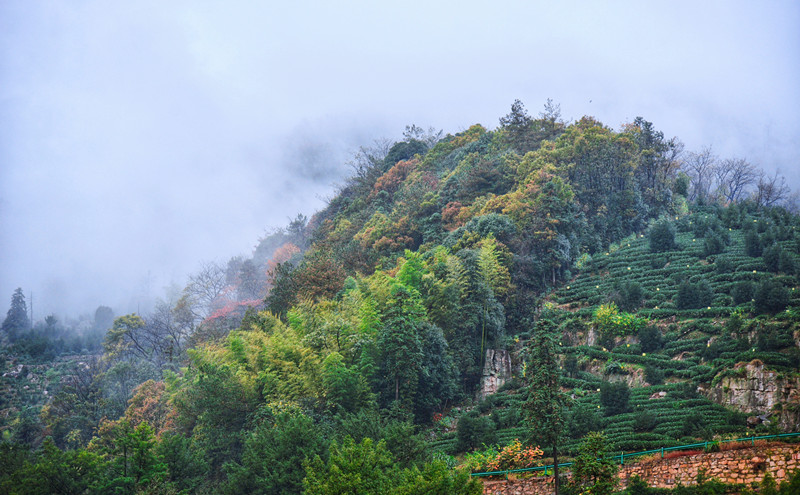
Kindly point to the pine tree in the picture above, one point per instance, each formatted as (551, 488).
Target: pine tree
(544, 407)
(17, 317)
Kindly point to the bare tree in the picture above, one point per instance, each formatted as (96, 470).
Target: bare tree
(206, 288)
(700, 169)
(369, 158)
(429, 137)
(734, 176)
(771, 190)
(168, 334)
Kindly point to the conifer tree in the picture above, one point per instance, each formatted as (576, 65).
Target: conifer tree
(544, 408)
(17, 317)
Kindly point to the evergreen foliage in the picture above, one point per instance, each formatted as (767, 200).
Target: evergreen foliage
(662, 237)
(16, 320)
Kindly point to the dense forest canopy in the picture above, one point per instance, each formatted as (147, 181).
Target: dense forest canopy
(359, 337)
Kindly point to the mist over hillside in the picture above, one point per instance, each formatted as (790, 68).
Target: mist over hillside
(140, 140)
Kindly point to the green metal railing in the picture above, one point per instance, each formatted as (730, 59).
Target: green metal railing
(622, 457)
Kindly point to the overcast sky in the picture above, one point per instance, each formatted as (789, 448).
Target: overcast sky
(140, 138)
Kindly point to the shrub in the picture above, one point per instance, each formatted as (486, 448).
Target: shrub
(694, 295)
(653, 375)
(662, 237)
(610, 321)
(723, 265)
(628, 296)
(714, 244)
(644, 421)
(752, 244)
(693, 425)
(593, 471)
(583, 419)
(770, 297)
(741, 292)
(474, 431)
(650, 338)
(772, 258)
(614, 397)
(786, 263)
(512, 456)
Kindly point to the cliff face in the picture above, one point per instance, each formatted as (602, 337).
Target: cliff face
(757, 390)
(496, 371)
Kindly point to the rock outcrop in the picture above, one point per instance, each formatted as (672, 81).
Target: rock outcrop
(496, 371)
(754, 389)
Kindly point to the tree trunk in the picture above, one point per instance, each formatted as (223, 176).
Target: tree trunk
(555, 466)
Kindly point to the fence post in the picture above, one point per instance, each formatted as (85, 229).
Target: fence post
(622, 458)
(662, 452)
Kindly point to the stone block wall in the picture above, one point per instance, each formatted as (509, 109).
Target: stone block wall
(747, 465)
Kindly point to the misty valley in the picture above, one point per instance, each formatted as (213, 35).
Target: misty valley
(466, 304)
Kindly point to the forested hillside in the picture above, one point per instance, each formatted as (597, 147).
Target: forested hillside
(635, 287)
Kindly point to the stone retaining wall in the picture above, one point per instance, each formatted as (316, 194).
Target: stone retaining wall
(745, 465)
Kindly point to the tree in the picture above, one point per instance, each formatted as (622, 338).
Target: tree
(17, 317)
(593, 472)
(284, 284)
(771, 191)
(103, 318)
(734, 176)
(125, 337)
(614, 397)
(544, 407)
(131, 454)
(700, 168)
(662, 237)
(251, 284)
(657, 163)
(205, 289)
(400, 342)
(366, 467)
(516, 124)
(273, 456)
(770, 296)
(752, 243)
(369, 468)
(694, 295)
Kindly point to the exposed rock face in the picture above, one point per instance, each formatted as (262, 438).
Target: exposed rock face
(496, 371)
(759, 390)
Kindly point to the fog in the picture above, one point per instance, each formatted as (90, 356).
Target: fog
(141, 138)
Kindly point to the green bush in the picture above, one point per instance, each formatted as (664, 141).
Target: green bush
(786, 263)
(770, 297)
(644, 421)
(474, 431)
(650, 339)
(752, 244)
(694, 295)
(723, 264)
(772, 258)
(714, 244)
(662, 237)
(628, 296)
(614, 397)
(743, 291)
(653, 375)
